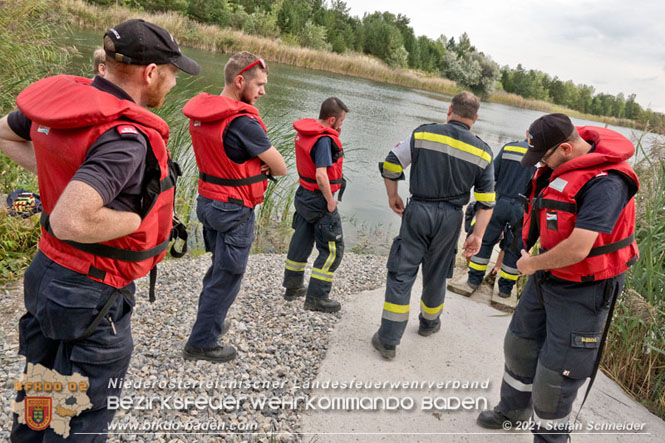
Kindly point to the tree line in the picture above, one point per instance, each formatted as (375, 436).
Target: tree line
(328, 25)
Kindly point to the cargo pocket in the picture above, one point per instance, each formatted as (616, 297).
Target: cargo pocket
(104, 357)
(69, 308)
(237, 244)
(330, 227)
(451, 265)
(394, 255)
(581, 354)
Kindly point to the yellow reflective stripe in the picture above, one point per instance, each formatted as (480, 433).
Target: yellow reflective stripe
(477, 267)
(508, 276)
(294, 265)
(392, 167)
(519, 149)
(453, 143)
(321, 271)
(473, 221)
(430, 311)
(485, 196)
(331, 255)
(397, 309)
(321, 277)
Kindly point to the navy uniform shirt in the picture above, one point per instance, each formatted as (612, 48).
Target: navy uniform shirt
(245, 139)
(114, 164)
(321, 152)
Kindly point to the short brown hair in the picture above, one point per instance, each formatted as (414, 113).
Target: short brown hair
(332, 107)
(465, 105)
(98, 58)
(237, 63)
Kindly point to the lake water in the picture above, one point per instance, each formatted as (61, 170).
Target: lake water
(380, 116)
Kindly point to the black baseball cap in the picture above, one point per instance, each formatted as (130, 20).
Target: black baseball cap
(545, 133)
(138, 42)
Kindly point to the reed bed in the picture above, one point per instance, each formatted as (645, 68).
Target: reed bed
(214, 38)
(635, 353)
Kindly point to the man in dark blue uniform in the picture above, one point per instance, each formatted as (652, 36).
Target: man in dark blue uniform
(447, 161)
(319, 157)
(583, 212)
(511, 180)
(74, 323)
(234, 157)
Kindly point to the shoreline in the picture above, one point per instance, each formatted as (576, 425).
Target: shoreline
(190, 33)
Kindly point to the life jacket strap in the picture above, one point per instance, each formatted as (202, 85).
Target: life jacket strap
(234, 182)
(337, 181)
(547, 203)
(106, 251)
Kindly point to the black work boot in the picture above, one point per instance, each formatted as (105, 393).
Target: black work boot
(386, 351)
(427, 331)
(293, 293)
(321, 304)
(216, 354)
(495, 419)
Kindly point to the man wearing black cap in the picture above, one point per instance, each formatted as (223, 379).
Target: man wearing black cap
(581, 208)
(106, 182)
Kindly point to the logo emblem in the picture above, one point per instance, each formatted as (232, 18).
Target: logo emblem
(43, 129)
(38, 412)
(529, 139)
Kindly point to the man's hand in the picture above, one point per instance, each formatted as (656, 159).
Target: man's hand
(524, 264)
(265, 168)
(396, 204)
(332, 205)
(471, 245)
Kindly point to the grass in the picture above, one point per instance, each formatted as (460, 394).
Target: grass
(29, 51)
(214, 38)
(635, 352)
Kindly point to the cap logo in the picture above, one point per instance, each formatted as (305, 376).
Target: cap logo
(43, 129)
(115, 33)
(529, 139)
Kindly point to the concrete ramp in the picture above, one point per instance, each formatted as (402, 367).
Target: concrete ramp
(448, 378)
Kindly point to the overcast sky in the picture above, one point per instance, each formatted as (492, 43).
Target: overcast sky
(613, 45)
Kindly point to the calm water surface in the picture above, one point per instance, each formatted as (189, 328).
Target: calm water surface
(380, 116)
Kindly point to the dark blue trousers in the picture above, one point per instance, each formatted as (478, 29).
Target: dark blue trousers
(61, 304)
(314, 225)
(507, 212)
(428, 235)
(550, 349)
(228, 231)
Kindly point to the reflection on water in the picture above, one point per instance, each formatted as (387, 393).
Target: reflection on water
(380, 116)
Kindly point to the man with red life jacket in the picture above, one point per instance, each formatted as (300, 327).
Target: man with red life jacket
(107, 185)
(582, 209)
(235, 159)
(319, 157)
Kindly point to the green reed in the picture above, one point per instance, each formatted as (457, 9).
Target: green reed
(635, 353)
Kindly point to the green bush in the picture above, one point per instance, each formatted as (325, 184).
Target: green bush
(30, 51)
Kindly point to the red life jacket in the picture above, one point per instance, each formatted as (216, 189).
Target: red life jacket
(553, 213)
(220, 178)
(309, 131)
(68, 116)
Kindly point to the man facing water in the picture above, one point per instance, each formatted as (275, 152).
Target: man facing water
(446, 160)
(235, 159)
(319, 158)
(105, 181)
